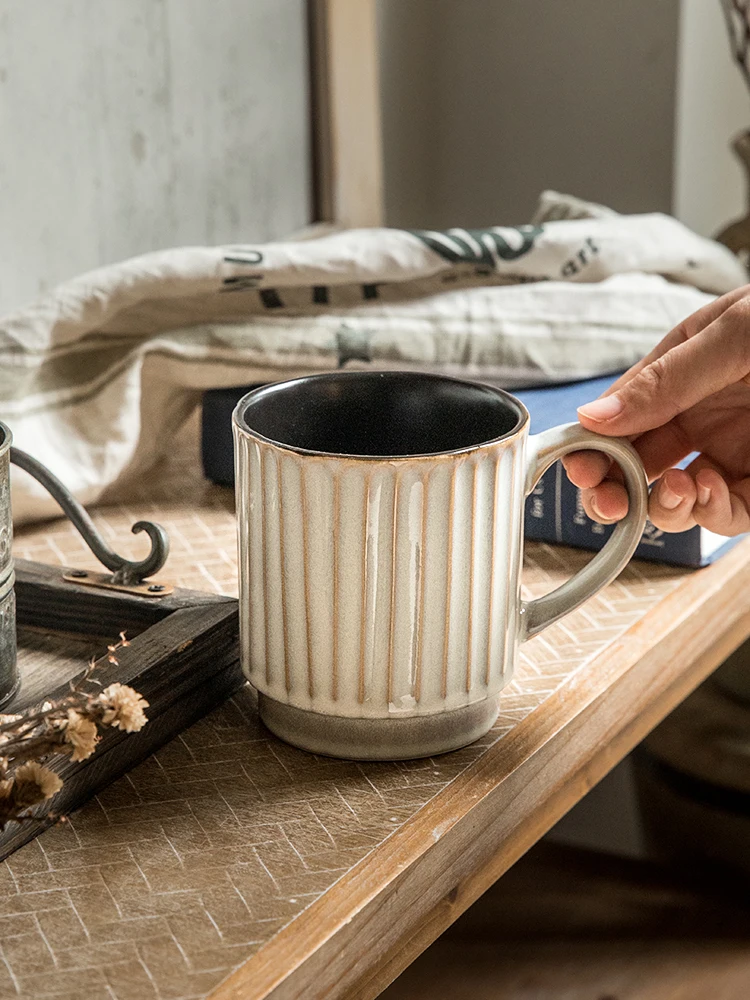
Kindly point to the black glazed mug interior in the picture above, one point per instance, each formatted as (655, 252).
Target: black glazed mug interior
(379, 414)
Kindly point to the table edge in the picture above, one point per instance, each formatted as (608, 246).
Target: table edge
(647, 668)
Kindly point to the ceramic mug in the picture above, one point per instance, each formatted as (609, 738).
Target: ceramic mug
(380, 521)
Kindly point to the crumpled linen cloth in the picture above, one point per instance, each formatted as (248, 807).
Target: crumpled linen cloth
(97, 376)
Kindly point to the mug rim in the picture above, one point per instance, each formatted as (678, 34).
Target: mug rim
(240, 424)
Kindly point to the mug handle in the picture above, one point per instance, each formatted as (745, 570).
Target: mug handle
(543, 450)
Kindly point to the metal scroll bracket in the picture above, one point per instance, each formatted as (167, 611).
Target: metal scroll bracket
(126, 574)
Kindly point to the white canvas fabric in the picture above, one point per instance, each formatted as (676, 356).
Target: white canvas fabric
(97, 376)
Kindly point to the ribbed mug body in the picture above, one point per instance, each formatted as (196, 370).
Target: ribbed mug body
(380, 589)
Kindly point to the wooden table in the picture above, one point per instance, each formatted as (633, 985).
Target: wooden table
(230, 865)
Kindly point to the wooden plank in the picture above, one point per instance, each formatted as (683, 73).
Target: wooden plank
(45, 600)
(47, 658)
(378, 917)
(346, 112)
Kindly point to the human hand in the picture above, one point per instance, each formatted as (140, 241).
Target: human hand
(691, 393)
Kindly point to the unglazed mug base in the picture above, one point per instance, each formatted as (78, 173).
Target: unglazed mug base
(378, 739)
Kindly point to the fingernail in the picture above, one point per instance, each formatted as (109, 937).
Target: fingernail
(704, 494)
(668, 498)
(602, 409)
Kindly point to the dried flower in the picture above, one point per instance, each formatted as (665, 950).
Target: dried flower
(30, 785)
(123, 708)
(81, 734)
(35, 783)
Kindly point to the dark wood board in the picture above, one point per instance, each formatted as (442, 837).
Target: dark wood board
(183, 657)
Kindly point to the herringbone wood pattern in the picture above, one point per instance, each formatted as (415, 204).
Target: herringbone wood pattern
(186, 867)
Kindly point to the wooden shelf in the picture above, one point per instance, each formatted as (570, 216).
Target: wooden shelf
(232, 865)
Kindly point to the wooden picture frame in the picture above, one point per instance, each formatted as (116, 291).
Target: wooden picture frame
(183, 657)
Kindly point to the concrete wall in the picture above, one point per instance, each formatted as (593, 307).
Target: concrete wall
(486, 103)
(129, 125)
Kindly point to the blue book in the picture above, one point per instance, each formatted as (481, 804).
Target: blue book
(554, 512)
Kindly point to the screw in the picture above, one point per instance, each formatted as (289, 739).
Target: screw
(79, 574)
(155, 588)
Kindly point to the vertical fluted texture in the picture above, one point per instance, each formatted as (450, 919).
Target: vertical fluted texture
(378, 588)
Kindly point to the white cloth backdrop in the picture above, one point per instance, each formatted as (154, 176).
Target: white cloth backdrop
(97, 377)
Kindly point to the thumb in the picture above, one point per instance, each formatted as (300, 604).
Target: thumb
(716, 357)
